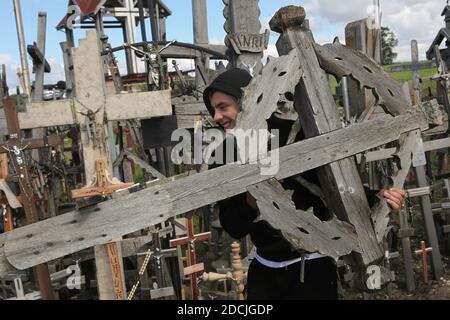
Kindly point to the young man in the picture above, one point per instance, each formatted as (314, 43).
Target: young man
(274, 273)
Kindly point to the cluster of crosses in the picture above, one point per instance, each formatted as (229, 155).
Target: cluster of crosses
(297, 80)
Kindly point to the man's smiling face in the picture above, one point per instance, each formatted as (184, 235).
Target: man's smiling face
(226, 109)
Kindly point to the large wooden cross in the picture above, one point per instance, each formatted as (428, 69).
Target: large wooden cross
(78, 230)
(192, 267)
(92, 108)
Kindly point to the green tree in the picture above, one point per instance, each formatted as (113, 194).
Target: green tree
(388, 42)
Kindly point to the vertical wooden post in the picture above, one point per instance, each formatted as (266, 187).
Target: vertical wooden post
(317, 112)
(416, 75)
(424, 253)
(40, 68)
(430, 229)
(238, 271)
(242, 17)
(8, 222)
(200, 21)
(23, 53)
(42, 272)
(406, 249)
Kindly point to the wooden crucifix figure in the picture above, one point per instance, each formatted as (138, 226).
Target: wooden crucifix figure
(190, 240)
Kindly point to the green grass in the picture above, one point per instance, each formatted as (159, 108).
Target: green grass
(405, 76)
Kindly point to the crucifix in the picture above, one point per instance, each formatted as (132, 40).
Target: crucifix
(162, 287)
(106, 221)
(424, 252)
(192, 268)
(92, 108)
(129, 14)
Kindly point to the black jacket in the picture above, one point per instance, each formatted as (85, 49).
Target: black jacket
(236, 216)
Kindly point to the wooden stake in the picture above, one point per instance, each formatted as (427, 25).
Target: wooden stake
(423, 251)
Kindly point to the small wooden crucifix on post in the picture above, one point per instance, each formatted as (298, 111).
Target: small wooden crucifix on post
(190, 240)
(424, 252)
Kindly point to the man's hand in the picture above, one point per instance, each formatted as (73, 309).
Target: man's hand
(394, 197)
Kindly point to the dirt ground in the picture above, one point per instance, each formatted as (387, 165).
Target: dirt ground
(434, 290)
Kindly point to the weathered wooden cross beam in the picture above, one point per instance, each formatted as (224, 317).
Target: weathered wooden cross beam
(317, 112)
(423, 251)
(92, 108)
(78, 230)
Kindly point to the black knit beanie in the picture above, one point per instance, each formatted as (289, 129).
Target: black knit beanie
(229, 82)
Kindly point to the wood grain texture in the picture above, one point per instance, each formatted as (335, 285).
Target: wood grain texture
(302, 229)
(340, 181)
(78, 230)
(47, 114)
(342, 61)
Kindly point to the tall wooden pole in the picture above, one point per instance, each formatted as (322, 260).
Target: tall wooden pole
(23, 52)
(200, 20)
(18, 160)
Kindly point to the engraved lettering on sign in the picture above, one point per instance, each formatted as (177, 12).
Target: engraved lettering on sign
(248, 42)
(113, 255)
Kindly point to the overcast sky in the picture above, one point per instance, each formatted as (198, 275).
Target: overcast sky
(409, 19)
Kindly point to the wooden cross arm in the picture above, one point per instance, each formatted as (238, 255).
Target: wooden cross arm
(423, 251)
(48, 114)
(193, 269)
(125, 106)
(52, 141)
(99, 191)
(78, 230)
(140, 105)
(206, 236)
(37, 57)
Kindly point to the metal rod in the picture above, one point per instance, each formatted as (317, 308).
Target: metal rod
(346, 100)
(23, 52)
(144, 39)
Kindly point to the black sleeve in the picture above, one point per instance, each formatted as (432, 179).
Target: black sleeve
(236, 216)
(371, 196)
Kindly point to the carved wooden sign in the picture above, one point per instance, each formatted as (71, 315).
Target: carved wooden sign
(249, 42)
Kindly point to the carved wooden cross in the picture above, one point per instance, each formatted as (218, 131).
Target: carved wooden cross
(424, 251)
(190, 240)
(161, 288)
(76, 231)
(92, 108)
